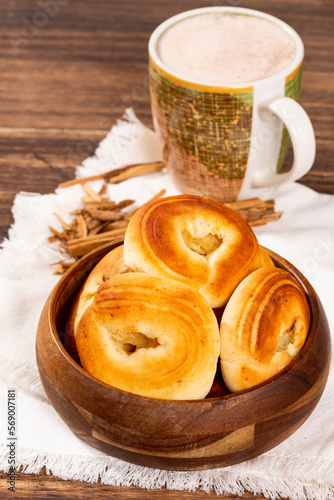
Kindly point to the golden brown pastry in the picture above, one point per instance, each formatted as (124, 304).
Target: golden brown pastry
(110, 265)
(264, 326)
(151, 336)
(266, 260)
(196, 241)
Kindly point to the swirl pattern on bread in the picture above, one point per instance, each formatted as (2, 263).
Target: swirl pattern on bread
(264, 326)
(151, 336)
(193, 240)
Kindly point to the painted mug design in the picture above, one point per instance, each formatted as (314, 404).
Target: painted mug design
(292, 89)
(206, 132)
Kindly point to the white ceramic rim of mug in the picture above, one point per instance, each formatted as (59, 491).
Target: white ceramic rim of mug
(154, 39)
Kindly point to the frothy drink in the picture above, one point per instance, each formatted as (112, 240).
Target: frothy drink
(226, 48)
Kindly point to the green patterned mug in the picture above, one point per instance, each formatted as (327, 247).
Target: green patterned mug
(229, 142)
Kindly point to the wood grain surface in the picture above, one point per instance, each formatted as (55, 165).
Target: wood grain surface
(48, 487)
(69, 74)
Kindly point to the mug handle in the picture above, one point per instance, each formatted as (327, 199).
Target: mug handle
(302, 138)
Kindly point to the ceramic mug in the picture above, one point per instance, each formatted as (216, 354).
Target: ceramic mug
(254, 124)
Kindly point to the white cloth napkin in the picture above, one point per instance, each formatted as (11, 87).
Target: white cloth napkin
(300, 468)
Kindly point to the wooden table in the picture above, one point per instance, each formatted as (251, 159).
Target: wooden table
(68, 72)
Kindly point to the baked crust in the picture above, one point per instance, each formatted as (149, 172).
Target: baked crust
(266, 260)
(263, 327)
(193, 240)
(111, 264)
(150, 336)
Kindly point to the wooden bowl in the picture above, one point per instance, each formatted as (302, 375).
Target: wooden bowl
(179, 435)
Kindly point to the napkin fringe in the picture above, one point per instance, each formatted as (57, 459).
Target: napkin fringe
(110, 471)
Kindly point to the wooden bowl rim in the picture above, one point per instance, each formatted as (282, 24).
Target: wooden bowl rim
(279, 261)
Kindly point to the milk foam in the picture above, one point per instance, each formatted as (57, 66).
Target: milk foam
(225, 48)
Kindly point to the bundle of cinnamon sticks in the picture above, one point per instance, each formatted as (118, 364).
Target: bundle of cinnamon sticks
(103, 221)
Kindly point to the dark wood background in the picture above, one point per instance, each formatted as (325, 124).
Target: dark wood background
(67, 73)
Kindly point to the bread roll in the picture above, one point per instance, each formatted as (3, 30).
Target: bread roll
(196, 241)
(150, 336)
(264, 326)
(110, 265)
(266, 260)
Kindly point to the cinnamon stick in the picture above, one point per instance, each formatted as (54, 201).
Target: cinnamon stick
(256, 211)
(119, 174)
(91, 193)
(105, 215)
(80, 246)
(102, 220)
(82, 226)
